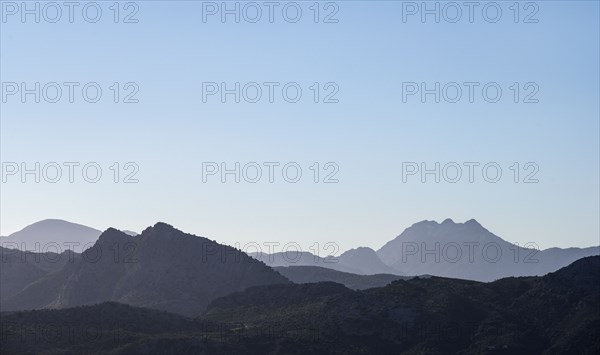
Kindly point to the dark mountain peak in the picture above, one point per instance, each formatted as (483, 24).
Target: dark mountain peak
(111, 236)
(161, 230)
(162, 226)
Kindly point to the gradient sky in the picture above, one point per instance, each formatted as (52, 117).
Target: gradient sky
(368, 134)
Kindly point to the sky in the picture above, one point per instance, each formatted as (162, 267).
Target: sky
(367, 133)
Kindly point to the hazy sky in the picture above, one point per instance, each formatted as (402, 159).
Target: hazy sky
(369, 53)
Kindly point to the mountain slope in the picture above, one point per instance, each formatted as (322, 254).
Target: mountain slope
(21, 268)
(557, 313)
(312, 274)
(162, 268)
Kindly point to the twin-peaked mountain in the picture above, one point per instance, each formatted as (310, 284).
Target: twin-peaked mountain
(469, 251)
(162, 268)
(448, 249)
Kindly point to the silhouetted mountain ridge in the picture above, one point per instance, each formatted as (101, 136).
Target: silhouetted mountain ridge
(162, 268)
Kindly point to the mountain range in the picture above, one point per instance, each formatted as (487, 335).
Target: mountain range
(168, 292)
(162, 268)
(461, 250)
(558, 313)
(166, 269)
(458, 250)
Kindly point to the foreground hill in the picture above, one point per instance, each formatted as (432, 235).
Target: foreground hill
(555, 314)
(162, 268)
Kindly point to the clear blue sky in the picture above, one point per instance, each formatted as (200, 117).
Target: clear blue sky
(368, 53)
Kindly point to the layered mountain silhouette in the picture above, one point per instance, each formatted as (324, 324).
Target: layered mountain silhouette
(555, 314)
(312, 274)
(362, 261)
(469, 251)
(303, 258)
(459, 250)
(162, 268)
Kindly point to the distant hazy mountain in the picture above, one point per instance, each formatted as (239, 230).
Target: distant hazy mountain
(469, 251)
(53, 235)
(128, 232)
(311, 274)
(360, 261)
(365, 261)
(162, 268)
(303, 259)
